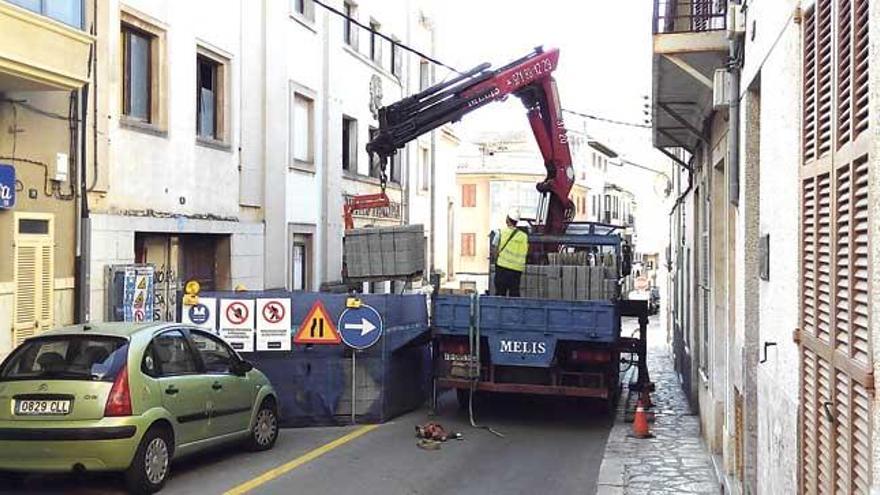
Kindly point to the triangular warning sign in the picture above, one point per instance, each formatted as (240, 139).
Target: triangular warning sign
(317, 328)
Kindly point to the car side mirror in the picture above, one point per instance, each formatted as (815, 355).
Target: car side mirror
(242, 367)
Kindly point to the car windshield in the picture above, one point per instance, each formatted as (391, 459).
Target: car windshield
(66, 357)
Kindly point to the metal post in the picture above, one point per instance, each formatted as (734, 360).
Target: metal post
(353, 386)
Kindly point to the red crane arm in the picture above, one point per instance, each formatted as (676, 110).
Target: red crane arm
(530, 79)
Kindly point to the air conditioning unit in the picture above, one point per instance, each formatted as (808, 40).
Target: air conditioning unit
(721, 89)
(736, 21)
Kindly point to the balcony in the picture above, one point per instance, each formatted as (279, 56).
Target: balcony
(40, 53)
(690, 42)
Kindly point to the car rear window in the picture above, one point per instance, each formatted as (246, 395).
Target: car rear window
(67, 357)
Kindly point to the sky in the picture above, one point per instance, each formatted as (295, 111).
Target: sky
(604, 69)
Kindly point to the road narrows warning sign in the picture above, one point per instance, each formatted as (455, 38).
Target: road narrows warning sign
(317, 327)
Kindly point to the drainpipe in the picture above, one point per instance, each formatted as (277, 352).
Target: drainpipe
(433, 193)
(81, 287)
(733, 133)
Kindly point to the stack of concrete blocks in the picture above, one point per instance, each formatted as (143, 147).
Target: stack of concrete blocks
(385, 252)
(569, 282)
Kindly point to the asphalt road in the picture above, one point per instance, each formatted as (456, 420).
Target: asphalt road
(550, 446)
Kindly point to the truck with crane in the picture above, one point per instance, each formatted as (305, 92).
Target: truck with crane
(554, 341)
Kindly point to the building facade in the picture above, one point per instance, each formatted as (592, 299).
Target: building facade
(771, 280)
(334, 76)
(171, 177)
(495, 175)
(44, 80)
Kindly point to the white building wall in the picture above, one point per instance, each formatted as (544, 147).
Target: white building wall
(162, 180)
(780, 112)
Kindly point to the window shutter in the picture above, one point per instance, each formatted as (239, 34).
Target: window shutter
(809, 104)
(860, 67)
(47, 292)
(824, 67)
(835, 342)
(25, 292)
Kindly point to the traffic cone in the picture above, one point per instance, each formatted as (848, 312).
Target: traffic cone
(640, 422)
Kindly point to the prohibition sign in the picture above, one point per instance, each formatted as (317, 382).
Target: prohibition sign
(273, 311)
(236, 313)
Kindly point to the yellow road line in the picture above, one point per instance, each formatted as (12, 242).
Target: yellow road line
(299, 461)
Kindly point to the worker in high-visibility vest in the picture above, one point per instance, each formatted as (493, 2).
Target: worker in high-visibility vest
(510, 258)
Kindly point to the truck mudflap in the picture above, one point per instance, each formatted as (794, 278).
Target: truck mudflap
(522, 349)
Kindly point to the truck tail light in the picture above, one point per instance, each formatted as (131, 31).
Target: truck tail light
(590, 356)
(119, 400)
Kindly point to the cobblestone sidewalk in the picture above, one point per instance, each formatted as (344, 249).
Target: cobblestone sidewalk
(675, 461)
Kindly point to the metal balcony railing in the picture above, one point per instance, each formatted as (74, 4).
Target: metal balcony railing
(689, 16)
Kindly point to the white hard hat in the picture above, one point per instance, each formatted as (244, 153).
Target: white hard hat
(513, 214)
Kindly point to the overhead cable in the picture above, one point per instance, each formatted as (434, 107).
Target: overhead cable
(385, 37)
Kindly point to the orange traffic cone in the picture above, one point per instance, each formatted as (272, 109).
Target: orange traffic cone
(640, 422)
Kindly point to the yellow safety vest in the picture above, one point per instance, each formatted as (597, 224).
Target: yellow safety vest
(512, 250)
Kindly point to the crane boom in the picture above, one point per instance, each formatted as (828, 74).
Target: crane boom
(528, 78)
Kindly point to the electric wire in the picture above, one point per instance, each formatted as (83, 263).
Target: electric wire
(435, 61)
(606, 120)
(385, 37)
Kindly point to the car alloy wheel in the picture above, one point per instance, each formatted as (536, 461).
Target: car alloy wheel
(266, 427)
(156, 461)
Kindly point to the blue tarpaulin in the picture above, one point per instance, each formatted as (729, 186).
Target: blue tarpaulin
(314, 382)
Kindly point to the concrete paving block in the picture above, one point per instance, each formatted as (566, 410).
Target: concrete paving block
(569, 283)
(597, 278)
(554, 282)
(583, 283)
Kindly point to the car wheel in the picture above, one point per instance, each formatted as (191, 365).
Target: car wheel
(151, 464)
(264, 433)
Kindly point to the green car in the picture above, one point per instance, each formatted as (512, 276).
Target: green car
(128, 397)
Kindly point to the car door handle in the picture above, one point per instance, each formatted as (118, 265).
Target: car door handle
(171, 390)
(216, 386)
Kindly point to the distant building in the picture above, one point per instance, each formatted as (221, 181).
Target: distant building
(499, 173)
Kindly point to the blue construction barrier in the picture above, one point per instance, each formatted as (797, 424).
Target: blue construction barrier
(314, 382)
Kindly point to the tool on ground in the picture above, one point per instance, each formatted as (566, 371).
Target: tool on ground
(432, 434)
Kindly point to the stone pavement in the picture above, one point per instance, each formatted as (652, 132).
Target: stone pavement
(675, 461)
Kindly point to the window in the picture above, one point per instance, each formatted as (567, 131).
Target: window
(596, 205)
(394, 166)
(425, 166)
(216, 355)
(302, 128)
(349, 32)
(207, 98)
(375, 43)
(69, 12)
(304, 8)
(67, 357)
(172, 354)
(396, 59)
(349, 144)
(137, 71)
(300, 272)
(468, 195)
(424, 75)
(375, 161)
(468, 244)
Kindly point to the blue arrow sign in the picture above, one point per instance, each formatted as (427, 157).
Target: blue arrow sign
(360, 327)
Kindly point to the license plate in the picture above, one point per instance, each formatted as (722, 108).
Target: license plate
(42, 407)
